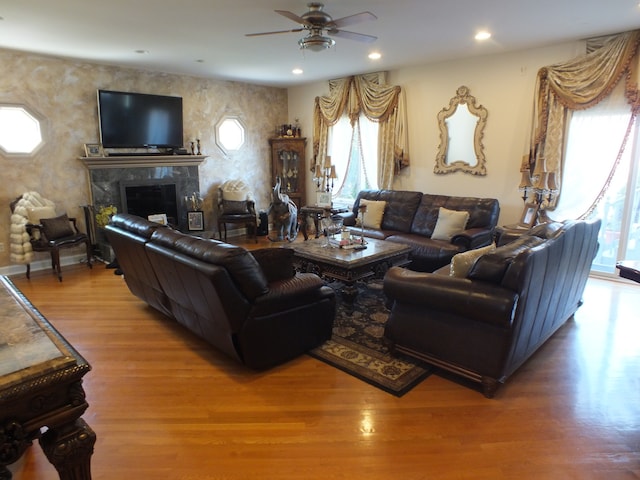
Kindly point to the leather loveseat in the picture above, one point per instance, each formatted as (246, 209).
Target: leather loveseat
(250, 305)
(411, 217)
(485, 325)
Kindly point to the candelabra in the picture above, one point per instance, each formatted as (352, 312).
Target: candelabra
(325, 175)
(544, 188)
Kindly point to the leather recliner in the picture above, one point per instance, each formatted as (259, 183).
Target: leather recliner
(252, 306)
(486, 325)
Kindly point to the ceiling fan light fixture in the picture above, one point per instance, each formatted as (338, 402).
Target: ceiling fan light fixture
(316, 43)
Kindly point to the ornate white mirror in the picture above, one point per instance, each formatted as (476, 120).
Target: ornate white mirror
(461, 131)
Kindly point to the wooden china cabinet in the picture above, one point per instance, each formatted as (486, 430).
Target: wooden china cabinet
(288, 163)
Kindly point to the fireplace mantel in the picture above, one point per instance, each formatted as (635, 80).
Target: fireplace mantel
(138, 161)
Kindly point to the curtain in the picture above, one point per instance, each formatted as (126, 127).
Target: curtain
(380, 103)
(578, 84)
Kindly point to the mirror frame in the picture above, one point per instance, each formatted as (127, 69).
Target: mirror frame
(442, 166)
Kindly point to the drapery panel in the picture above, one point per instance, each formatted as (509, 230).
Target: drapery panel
(577, 84)
(380, 103)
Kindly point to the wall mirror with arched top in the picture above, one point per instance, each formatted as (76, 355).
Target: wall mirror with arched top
(461, 130)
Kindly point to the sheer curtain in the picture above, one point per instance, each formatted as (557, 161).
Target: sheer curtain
(353, 151)
(596, 141)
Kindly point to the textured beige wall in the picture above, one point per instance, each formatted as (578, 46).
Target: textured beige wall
(63, 92)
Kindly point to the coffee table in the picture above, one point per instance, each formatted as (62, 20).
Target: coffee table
(349, 266)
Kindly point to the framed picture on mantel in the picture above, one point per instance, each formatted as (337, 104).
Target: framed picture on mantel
(93, 150)
(195, 221)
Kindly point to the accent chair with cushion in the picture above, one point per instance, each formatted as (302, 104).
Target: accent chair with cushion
(236, 207)
(49, 232)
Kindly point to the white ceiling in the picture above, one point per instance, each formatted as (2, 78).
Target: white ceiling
(205, 38)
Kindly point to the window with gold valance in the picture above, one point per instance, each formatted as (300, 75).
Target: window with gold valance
(367, 95)
(563, 88)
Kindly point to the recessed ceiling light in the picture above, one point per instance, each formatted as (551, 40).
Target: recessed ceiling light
(142, 52)
(375, 56)
(200, 60)
(297, 71)
(483, 35)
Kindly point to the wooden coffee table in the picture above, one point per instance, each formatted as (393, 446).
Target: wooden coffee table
(349, 266)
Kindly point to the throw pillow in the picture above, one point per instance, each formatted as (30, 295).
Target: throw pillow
(36, 213)
(58, 227)
(450, 222)
(234, 207)
(462, 262)
(374, 213)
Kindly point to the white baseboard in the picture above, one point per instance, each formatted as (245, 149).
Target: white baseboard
(44, 264)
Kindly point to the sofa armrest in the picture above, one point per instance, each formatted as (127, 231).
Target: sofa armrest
(276, 263)
(473, 238)
(473, 300)
(348, 218)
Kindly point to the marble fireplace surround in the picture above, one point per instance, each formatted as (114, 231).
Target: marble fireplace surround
(107, 174)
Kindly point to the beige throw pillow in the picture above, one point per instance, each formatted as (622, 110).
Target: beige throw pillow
(462, 262)
(373, 215)
(450, 222)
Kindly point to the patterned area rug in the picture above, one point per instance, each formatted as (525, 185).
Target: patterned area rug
(357, 346)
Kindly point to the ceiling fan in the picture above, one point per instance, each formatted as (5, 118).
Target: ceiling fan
(319, 25)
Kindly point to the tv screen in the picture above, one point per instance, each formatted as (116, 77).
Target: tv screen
(138, 120)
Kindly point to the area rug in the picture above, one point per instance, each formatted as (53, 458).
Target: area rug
(357, 345)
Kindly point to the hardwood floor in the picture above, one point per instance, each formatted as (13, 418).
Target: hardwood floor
(165, 405)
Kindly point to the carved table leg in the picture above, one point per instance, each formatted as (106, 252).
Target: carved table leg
(349, 292)
(69, 449)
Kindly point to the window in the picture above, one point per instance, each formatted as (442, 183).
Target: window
(230, 134)
(354, 152)
(594, 140)
(20, 130)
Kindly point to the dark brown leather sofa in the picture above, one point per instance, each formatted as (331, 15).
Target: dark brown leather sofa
(250, 305)
(485, 326)
(410, 218)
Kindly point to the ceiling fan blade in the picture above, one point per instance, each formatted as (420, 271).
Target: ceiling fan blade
(292, 16)
(359, 37)
(271, 33)
(352, 19)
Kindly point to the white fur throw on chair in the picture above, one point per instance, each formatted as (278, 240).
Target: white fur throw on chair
(21, 251)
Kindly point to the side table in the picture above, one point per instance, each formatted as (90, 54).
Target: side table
(316, 213)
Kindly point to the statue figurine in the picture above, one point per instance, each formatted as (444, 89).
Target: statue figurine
(285, 215)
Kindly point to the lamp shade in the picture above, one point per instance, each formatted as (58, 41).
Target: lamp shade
(327, 162)
(332, 173)
(541, 182)
(525, 181)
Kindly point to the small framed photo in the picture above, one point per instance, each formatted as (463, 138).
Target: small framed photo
(195, 221)
(93, 150)
(529, 215)
(323, 199)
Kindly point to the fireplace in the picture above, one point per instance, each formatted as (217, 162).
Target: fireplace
(166, 179)
(150, 198)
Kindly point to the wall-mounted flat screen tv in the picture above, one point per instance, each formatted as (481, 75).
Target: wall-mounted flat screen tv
(139, 120)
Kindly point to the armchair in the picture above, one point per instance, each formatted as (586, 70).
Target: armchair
(235, 206)
(50, 233)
